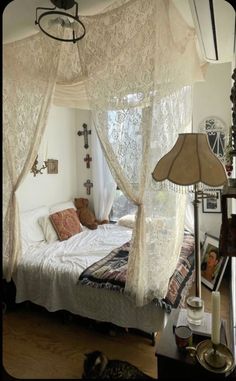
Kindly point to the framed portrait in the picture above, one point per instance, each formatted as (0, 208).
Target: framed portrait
(212, 265)
(212, 204)
(52, 166)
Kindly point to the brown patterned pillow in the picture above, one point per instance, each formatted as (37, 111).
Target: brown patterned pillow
(66, 223)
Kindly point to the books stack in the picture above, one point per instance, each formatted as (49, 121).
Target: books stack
(204, 329)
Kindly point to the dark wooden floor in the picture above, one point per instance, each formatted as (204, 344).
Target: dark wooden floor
(37, 344)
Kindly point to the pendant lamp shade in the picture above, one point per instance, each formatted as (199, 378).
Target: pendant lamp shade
(191, 161)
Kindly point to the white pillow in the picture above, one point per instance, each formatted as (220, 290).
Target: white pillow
(30, 229)
(61, 206)
(48, 229)
(127, 221)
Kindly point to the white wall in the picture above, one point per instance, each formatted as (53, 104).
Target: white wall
(60, 140)
(84, 173)
(62, 143)
(211, 98)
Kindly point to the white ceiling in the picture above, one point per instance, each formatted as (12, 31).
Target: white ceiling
(19, 15)
(19, 21)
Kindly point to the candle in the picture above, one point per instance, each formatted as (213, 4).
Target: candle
(215, 318)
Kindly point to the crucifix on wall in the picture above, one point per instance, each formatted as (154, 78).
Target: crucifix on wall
(87, 160)
(86, 132)
(88, 185)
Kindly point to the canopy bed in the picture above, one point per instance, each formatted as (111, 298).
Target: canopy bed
(135, 67)
(86, 273)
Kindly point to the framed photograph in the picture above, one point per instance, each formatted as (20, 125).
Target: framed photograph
(212, 265)
(212, 204)
(52, 166)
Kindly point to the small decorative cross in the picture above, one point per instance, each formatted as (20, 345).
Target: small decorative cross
(87, 159)
(85, 133)
(88, 185)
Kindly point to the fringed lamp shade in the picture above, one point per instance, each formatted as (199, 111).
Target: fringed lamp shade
(189, 162)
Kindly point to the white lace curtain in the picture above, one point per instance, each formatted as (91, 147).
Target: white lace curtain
(29, 74)
(104, 185)
(139, 75)
(137, 63)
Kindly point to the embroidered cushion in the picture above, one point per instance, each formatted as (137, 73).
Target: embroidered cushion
(66, 223)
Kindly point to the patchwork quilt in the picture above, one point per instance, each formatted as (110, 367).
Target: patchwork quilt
(110, 272)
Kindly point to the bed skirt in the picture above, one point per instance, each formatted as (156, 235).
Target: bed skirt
(100, 304)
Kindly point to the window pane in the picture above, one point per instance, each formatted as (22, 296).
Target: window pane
(217, 135)
(121, 206)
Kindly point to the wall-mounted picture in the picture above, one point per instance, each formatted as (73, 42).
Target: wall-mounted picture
(212, 265)
(212, 204)
(52, 166)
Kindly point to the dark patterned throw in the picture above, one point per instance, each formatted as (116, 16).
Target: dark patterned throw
(110, 272)
(182, 278)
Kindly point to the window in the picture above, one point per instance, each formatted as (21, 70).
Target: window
(121, 206)
(217, 133)
(125, 135)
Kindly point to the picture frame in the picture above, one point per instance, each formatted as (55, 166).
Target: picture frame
(212, 265)
(52, 166)
(212, 204)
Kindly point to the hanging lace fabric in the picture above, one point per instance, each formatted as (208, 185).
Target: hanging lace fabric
(29, 76)
(140, 68)
(136, 65)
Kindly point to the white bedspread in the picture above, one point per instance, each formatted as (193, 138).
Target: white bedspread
(48, 274)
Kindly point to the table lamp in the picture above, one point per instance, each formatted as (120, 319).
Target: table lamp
(189, 163)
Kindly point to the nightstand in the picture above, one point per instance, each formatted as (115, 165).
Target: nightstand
(173, 364)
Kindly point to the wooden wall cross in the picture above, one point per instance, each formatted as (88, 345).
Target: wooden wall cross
(87, 160)
(88, 185)
(85, 133)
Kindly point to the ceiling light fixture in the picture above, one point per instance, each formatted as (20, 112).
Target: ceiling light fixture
(62, 20)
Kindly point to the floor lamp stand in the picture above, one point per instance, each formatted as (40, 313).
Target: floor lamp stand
(195, 304)
(197, 257)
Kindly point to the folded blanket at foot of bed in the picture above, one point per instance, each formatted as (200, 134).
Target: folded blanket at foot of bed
(110, 272)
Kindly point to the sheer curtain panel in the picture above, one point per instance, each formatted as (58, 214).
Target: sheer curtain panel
(141, 62)
(104, 185)
(29, 75)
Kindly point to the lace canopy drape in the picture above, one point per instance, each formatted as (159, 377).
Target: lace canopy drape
(134, 68)
(104, 186)
(29, 74)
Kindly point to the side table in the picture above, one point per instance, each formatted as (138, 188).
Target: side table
(174, 365)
